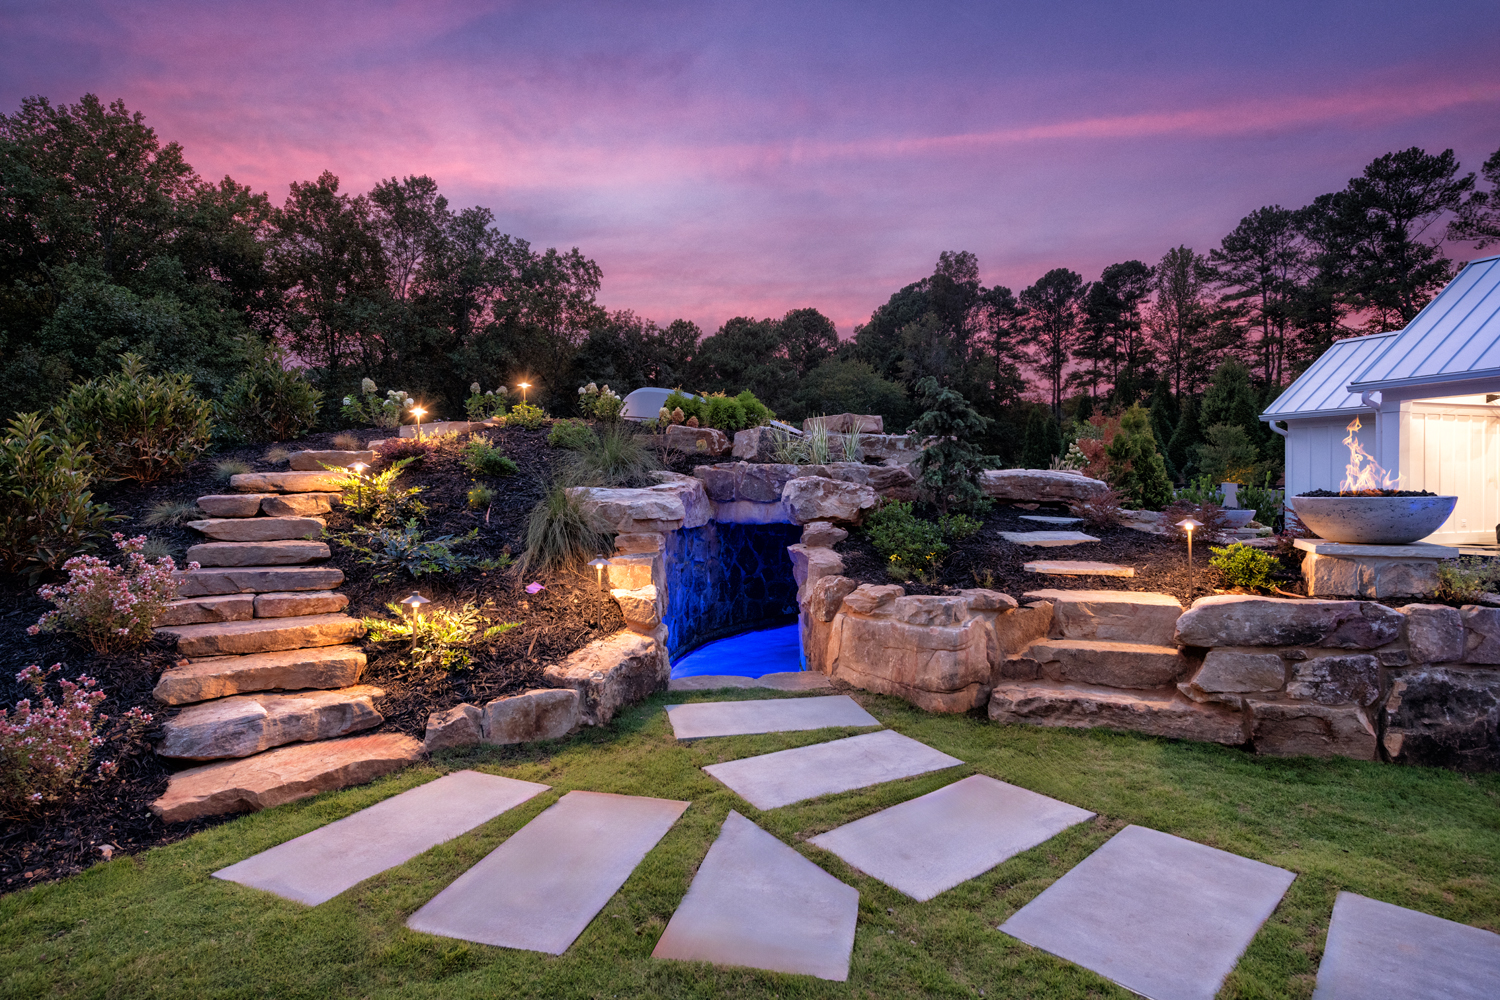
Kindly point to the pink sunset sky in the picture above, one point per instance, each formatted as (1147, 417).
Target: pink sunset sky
(722, 159)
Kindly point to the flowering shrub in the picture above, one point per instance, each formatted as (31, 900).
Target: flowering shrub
(368, 408)
(113, 607)
(483, 405)
(45, 750)
(600, 404)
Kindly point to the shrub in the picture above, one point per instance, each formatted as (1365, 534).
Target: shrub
(377, 498)
(574, 435)
(951, 465)
(756, 412)
(268, 402)
(727, 413)
(1229, 456)
(368, 409)
(957, 527)
(43, 751)
(406, 549)
(1099, 511)
(1245, 567)
(1265, 499)
(229, 468)
(1202, 490)
(168, 512)
(137, 426)
(484, 405)
(1466, 580)
(438, 637)
(910, 545)
(615, 457)
(482, 458)
(400, 449)
(47, 513)
(600, 404)
(112, 607)
(557, 535)
(480, 496)
(348, 442)
(526, 416)
(1136, 468)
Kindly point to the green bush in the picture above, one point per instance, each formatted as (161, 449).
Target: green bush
(137, 426)
(615, 457)
(558, 536)
(726, 413)
(369, 410)
(480, 495)
(1202, 490)
(407, 549)
(600, 404)
(911, 546)
(268, 402)
(377, 498)
(1136, 468)
(1245, 567)
(1264, 498)
(47, 512)
(526, 416)
(439, 637)
(951, 466)
(482, 458)
(957, 527)
(1464, 581)
(573, 435)
(1229, 456)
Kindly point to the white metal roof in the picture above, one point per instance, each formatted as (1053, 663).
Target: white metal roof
(1455, 338)
(1322, 389)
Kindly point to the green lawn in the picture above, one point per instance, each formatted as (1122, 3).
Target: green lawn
(158, 926)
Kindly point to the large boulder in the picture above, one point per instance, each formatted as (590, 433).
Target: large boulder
(757, 444)
(638, 607)
(677, 503)
(612, 673)
(1079, 706)
(281, 776)
(1111, 615)
(1228, 674)
(822, 534)
(1038, 485)
(1349, 679)
(820, 603)
(1301, 728)
(1235, 620)
(697, 440)
(811, 563)
(891, 450)
(456, 727)
(816, 498)
(247, 724)
(1446, 716)
(1481, 634)
(538, 714)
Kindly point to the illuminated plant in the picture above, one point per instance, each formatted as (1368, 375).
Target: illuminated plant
(486, 404)
(111, 607)
(1243, 566)
(377, 498)
(369, 409)
(526, 416)
(482, 458)
(600, 404)
(407, 549)
(438, 637)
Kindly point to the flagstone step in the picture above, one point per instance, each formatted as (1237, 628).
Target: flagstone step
(198, 610)
(232, 504)
(1077, 567)
(282, 552)
(1155, 713)
(271, 504)
(317, 461)
(298, 603)
(1095, 661)
(247, 724)
(323, 667)
(214, 580)
(284, 775)
(258, 529)
(286, 482)
(264, 635)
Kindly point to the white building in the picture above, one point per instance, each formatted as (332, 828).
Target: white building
(1428, 401)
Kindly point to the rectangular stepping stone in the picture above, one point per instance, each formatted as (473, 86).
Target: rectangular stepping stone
(1047, 539)
(215, 608)
(281, 552)
(258, 529)
(932, 843)
(231, 504)
(1047, 519)
(318, 865)
(757, 903)
(209, 580)
(290, 604)
(288, 670)
(287, 482)
(771, 715)
(1077, 567)
(1162, 916)
(787, 680)
(1376, 949)
(297, 504)
(786, 776)
(264, 635)
(316, 461)
(540, 889)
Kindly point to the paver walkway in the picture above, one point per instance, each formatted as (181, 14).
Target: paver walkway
(771, 715)
(1377, 949)
(787, 776)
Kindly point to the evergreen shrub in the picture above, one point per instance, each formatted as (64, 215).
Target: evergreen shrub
(268, 402)
(47, 511)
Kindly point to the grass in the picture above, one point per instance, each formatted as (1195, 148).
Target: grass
(158, 925)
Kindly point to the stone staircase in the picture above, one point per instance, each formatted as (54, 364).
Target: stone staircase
(269, 669)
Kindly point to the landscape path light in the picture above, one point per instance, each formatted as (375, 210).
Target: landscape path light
(599, 562)
(418, 412)
(523, 386)
(413, 605)
(359, 469)
(1187, 524)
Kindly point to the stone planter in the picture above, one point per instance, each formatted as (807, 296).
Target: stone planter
(1238, 518)
(1357, 520)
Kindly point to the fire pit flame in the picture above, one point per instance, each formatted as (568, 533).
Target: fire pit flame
(1363, 476)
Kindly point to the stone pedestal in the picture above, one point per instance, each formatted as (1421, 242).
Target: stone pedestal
(1336, 569)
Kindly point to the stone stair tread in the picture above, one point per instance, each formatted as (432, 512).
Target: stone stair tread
(257, 580)
(232, 504)
(1160, 712)
(1131, 665)
(263, 635)
(278, 552)
(292, 604)
(242, 725)
(319, 668)
(258, 529)
(1105, 646)
(1077, 567)
(212, 608)
(286, 482)
(313, 460)
(283, 775)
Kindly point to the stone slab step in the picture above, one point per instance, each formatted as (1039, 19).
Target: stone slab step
(317, 461)
(271, 504)
(296, 603)
(283, 552)
(323, 667)
(1113, 615)
(265, 635)
(258, 529)
(1047, 539)
(1077, 567)
(214, 580)
(284, 775)
(1111, 664)
(1376, 948)
(286, 482)
(772, 715)
(1079, 706)
(197, 610)
(247, 724)
(232, 504)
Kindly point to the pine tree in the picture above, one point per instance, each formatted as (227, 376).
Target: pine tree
(1185, 436)
(1041, 439)
(1163, 422)
(1136, 468)
(951, 466)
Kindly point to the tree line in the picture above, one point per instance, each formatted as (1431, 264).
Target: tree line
(110, 242)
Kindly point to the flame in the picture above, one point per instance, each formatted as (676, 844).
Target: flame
(1363, 476)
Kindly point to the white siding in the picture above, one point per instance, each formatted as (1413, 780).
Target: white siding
(1455, 450)
(1315, 452)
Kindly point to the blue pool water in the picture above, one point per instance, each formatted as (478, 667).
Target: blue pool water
(749, 654)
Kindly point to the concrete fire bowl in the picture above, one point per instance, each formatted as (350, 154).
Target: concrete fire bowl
(1373, 520)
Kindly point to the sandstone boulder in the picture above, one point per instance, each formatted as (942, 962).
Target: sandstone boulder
(317, 461)
(211, 580)
(1111, 615)
(458, 726)
(611, 673)
(1228, 674)
(891, 450)
(894, 481)
(288, 552)
(286, 482)
(814, 498)
(218, 608)
(247, 724)
(281, 776)
(264, 635)
(765, 483)
(298, 504)
(538, 714)
(936, 668)
(1445, 717)
(1352, 679)
(757, 444)
(827, 595)
(1434, 633)
(632, 572)
(1038, 485)
(846, 423)
(643, 543)
(232, 504)
(822, 534)
(697, 440)
(721, 482)
(809, 565)
(302, 602)
(1481, 634)
(286, 670)
(1298, 728)
(824, 598)
(638, 607)
(1016, 630)
(1082, 707)
(664, 507)
(869, 597)
(1110, 664)
(1234, 620)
